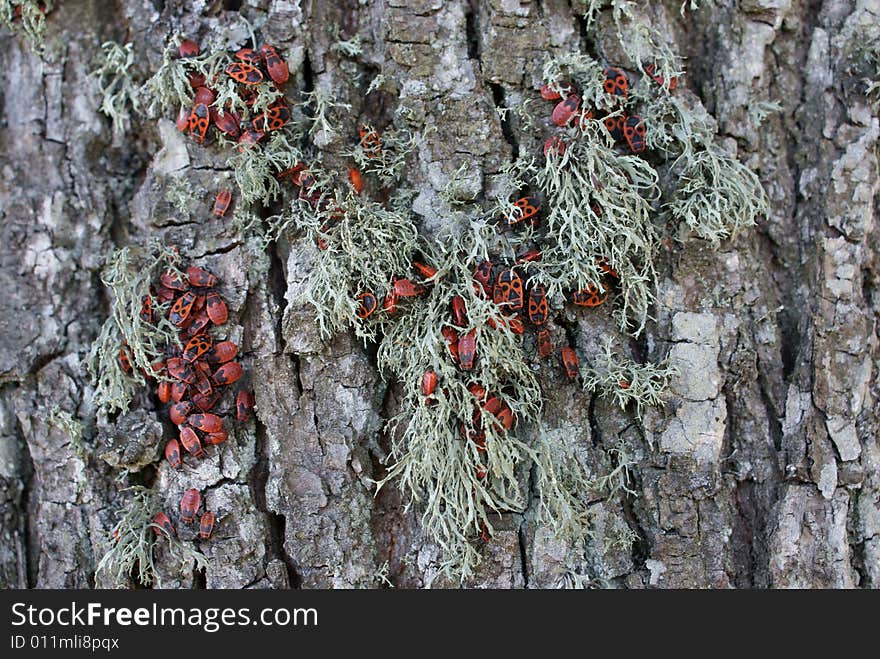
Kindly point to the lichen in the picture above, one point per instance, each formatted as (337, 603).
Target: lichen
(27, 18)
(113, 75)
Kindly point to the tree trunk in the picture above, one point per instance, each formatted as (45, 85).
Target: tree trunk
(760, 469)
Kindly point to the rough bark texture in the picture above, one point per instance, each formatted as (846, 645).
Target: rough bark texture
(762, 471)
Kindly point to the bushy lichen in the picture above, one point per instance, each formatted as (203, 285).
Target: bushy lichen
(28, 18)
(129, 551)
(128, 273)
(113, 75)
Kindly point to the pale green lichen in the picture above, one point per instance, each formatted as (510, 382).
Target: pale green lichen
(73, 428)
(113, 75)
(27, 18)
(129, 551)
(626, 381)
(128, 273)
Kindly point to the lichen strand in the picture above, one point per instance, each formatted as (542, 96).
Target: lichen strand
(128, 552)
(112, 73)
(128, 273)
(27, 18)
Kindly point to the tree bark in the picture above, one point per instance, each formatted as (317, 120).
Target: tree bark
(760, 471)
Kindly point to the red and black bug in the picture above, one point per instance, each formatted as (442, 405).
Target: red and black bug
(204, 96)
(616, 83)
(274, 118)
(467, 349)
(161, 524)
(425, 270)
(367, 304)
(244, 405)
(356, 180)
(614, 125)
(566, 110)
(370, 141)
(206, 525)
(227, 122)
(146, 313)
(570, 362)
(205, 422)
(508, 290)
(429, 382)
(196, 347)
(483, 279)
(172, 454)
(199, 120)
(190, 441)
(389, 302)
(249, 56)
(550, 94)
(197, 324)
(246, 74)
(179, 411)
(180, 370)
(215, 438)
(200, 278)
(206, 403)
(189, 505)
(650, 69)
(163, 391)
(634, 131)
(407, 288)
(188, 48)
(216, 308)
(554, 146)
(221, 202)
(228, 373)
(590, 296)
(124, 361)
(525, 208)
(450, 336)
(459, 311)
(173, 281)
(533, 254)
(179, 390)
(538, 307)
(545, 343)
(276, 66)
(250, 137)
(181, 309)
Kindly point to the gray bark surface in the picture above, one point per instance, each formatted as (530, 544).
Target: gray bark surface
(763, 470)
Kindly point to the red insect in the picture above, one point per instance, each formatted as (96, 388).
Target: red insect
(188, 48)
(215, 438)
(554, 146)
(389, 303)
(517, 326)
(164, 525)
(549, 94)
(634, 131)
(614, 125)
(173, 281)
(226, 121)
(190, 441)
(589, 297)
(200, 278)
(221, 202)
(205, 422)
(508, 290)
(533, 254)
(425, 270)
(244, 405)
(451, 338)
(197, 347)
(459, 311)
(467, 349)
(182, 121)
(607, 269)
(274, 118)
(370, 142)
(203, 384)
(204, 96)
(197, 325)
(483, 279)
(616, 83)
(189, 505)
(181, 309)
(407, 288)
(163, 391)
(206, 525)
(429, 382)
(623, 384)
(660, 80)
(526, 208)
(146, 313)
(216, 307)
(180, 370)
(505, 416)
(538, 307)
(545, 343)
(206, 403)
(172, 454)
(276, 66)
(199, 120)
(228, 373)
(356, 180)
(249, 56)
(566, 110)
(367, 304)
(179, 391)
(249, 138)
(197, 80)
(124, 361)
(246, 74)
(570, 362)
(179, 411)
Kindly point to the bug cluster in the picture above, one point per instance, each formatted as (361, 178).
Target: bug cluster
(194, 375)
(251, 68)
